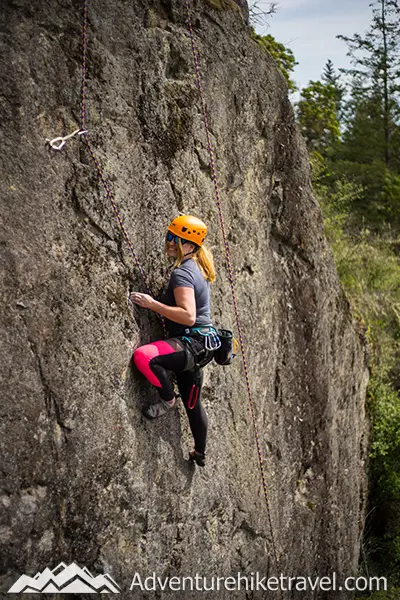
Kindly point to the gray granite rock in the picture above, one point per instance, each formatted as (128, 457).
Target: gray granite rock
(83, 477)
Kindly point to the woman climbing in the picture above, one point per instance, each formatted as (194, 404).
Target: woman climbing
(191, 336)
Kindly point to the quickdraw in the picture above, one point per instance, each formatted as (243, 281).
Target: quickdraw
(210, 335)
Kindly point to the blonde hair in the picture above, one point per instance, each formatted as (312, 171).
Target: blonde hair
(202, 255)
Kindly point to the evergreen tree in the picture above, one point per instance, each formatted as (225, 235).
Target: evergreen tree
(376, 71)
(317, 116)
(330, 77)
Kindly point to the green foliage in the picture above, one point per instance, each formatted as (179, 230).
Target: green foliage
(375, 55)
(384, 406)
(369, 268)
(354, 143)
(317, 116)
(363, 138)
(379, 199)
(368, 153)
(283, 56)
(376, 71)
(361, 133)
(330, 77)
(384, 556)
(337, 196)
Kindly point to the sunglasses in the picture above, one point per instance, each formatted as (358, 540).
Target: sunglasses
(171, 236)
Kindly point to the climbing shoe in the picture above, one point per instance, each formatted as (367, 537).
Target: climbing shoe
(198, 458)
(158, 409)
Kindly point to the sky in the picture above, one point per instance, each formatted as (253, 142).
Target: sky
(309, 29)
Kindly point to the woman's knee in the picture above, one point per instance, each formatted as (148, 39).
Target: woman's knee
(143, 356)
(140, 358)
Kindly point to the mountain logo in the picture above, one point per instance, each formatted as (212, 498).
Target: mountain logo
(65, 580)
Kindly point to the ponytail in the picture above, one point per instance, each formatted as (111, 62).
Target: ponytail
(204, 258)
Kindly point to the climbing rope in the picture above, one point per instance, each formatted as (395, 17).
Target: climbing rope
(230, 271)
(84, 133)
(97, 163)
(84, 136)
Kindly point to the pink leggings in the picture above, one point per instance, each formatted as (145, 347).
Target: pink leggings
(155, 360)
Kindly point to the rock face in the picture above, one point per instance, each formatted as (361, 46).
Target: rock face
(83, 477)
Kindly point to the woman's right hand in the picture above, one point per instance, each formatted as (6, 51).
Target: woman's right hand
(143, 300)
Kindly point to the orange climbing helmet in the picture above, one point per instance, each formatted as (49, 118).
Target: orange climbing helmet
(189, 228)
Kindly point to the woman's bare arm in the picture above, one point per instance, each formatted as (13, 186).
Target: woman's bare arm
(183, 313)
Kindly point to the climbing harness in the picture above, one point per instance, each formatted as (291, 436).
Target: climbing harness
(208, 333)
(53, 143)
(230, 275)
(197, 358)
(83, 133)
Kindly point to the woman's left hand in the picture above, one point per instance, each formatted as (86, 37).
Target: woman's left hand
(143, 300)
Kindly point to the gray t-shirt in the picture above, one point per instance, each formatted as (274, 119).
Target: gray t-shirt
(188, 274)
